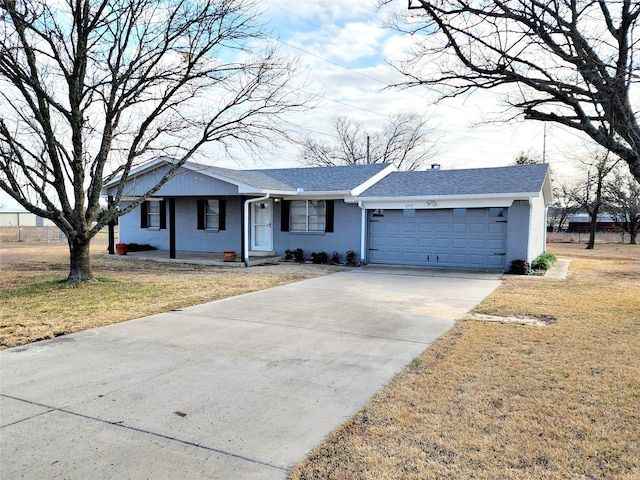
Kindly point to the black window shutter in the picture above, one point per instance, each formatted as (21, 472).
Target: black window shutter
(284, 215)
(163, 214)
(201, 207)
(329, 212)
(144, 220)
(222, 214)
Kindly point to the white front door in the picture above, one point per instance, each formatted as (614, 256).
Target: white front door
(261, 226)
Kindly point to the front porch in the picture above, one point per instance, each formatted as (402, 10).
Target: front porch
(193, 258)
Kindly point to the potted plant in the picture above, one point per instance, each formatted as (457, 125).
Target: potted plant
(229, 256)
(122, 248)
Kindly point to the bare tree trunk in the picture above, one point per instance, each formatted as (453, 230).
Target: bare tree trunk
(80, 269)
(593, 225)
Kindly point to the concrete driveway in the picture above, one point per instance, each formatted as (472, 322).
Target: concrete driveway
(239, 388)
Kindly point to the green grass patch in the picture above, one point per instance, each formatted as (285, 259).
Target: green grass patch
(544, 261)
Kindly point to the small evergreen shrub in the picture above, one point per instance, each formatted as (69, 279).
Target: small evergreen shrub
(137, 247)
(319, 258)
(519, 267)
(544, 261)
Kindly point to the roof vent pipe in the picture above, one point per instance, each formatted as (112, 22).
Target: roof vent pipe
(435, 166)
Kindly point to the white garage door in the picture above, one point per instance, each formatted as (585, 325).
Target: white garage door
(459, 237)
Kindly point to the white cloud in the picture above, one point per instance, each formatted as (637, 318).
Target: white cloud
(346, 43)
(345, 48)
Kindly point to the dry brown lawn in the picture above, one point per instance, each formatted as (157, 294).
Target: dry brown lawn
(513, 401)
(487, 400)
(35, 304)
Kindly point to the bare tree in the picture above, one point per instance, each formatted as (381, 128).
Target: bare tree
(566, 61)
(622, 202)
(403, 141)
(589, 195)
(563, 206)
(90, 90)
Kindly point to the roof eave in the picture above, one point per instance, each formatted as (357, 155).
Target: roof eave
(319, 194)
(142, 169)
(444, 201)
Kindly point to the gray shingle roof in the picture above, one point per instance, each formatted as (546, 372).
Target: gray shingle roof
(325, 179)
(255, 178)
(310, 179)
(476, 181)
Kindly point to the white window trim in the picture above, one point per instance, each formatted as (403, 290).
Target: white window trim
(208, 215)
(151, 225)
(306, 222)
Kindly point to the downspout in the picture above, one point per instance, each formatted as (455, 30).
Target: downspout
(363, 232)
(529, 246)
(246, 226)
(546, 221)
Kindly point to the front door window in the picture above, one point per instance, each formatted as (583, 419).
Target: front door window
(261, 229)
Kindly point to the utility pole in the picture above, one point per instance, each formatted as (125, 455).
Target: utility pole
(368, 150)
(544, 144)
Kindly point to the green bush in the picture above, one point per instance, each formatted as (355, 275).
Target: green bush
(544, 261)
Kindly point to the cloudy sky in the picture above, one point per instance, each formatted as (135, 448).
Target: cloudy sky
(345, 49)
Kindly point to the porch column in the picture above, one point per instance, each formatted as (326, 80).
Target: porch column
(172, 227)
(111, 226)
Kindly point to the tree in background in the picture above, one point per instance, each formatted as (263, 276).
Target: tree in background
(527, 158)
(402, 141)
(564, 206)
(588, 195)
(568, 61)
(90, 90)
(622, 202)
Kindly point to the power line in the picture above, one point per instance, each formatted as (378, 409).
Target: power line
(375, 79)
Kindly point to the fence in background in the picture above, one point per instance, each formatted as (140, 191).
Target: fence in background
(49, 234)
(52, 234)
(581, 237)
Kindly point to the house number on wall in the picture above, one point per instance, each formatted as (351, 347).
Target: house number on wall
(428, 203)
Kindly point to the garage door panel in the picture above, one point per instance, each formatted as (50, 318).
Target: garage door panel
(476, 260)
(497, 227)
(477, 244)
(426, 227)
(410, 241)
(477, 227)
(496, 261)
(441, 243)
(408, 228)
(436, 237)
(459, 259)
(496, 244)
(459, 243)
(425, 242)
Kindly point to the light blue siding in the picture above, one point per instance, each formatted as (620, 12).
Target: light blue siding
(185, 182)
(518, 232)
(188, 237)
(346, 234)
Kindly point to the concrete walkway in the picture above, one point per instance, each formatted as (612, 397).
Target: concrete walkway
(559, 270)
(239, 388)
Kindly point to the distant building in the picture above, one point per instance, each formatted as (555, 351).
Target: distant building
(581, 223)
(18, 217)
